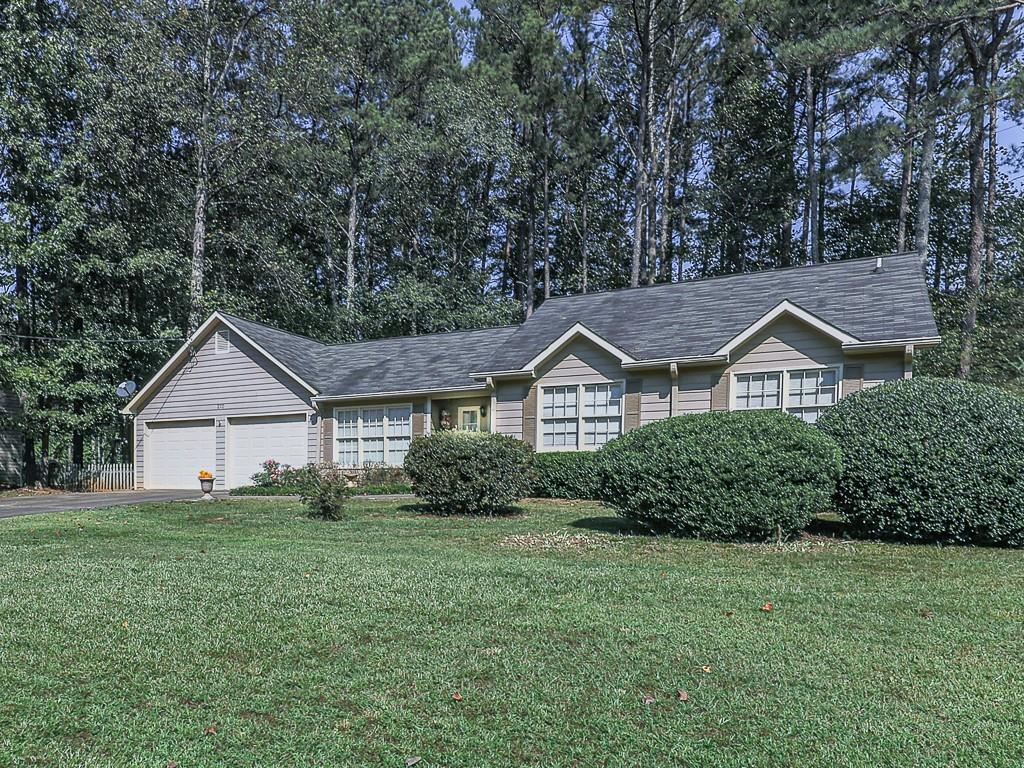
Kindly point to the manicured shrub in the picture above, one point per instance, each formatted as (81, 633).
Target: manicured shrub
(380, 475)
(469, 472)
(722, 475)
(932, 460)
(567, 475)
(325, 491)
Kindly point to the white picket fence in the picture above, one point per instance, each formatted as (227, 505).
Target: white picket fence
(87, 477)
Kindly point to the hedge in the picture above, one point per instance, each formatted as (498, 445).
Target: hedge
(567, 475)
(469, 472)
(932, 460)
(744, 475)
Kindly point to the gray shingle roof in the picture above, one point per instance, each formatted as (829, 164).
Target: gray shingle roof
(661, 321)
(699, 316)
(432, 361)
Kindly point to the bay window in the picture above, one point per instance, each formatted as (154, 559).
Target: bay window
(580, 416)
(804, 393)
(377, 435)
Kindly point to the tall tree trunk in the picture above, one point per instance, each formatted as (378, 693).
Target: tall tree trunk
(195, 305)
(530, 276)
(926, 168)
(786, 226)
(77, 406)
(907, 165)
(202, 186)
(818, 233)
(810, 234)
(584, 232)
(980, 55)
(545, 226)
(350, 244)
(22, 288)
(640, 195)
(332, 271)
(668, 190)
(993, 174)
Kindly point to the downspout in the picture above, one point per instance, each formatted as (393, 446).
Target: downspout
(673, 372)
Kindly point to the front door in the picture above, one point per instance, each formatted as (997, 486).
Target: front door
(469, 419)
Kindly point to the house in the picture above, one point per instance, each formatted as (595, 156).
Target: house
(582, 370)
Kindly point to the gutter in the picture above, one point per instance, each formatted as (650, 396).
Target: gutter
(676, 361)
(887, 345)
(402, 393)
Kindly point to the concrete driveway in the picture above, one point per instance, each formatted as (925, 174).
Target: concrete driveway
(62, 502)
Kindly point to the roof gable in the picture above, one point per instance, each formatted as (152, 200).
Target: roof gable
(213, 323)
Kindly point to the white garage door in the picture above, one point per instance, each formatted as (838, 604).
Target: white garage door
(251, 441)
(175, 452)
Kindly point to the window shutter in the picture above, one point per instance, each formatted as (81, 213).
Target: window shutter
(327, 436)
(530, 416)
(632, 415)
(720, 391)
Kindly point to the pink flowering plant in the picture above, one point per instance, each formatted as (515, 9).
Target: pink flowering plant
(274, 474)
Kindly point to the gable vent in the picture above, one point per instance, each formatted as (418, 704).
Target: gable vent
(221, 342)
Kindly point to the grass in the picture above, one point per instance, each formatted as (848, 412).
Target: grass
(244, 634)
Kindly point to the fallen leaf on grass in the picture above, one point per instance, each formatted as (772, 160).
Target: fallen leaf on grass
(768, 607)
(171, 764)
(125, 623)
(706, 669)
(457, 696)
(682, 695)
(648, 699)
(209, 730)
(411, 761)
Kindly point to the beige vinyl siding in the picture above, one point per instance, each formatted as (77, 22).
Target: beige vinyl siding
(508, 408)
(787, 343)
(239, 382)
(580, 362)
(879, 369)
(693, 392)
(655, 398)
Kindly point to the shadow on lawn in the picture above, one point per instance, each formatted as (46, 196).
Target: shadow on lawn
(425, 510)
(611, 524)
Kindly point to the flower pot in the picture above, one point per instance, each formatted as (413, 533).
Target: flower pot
(206, 484)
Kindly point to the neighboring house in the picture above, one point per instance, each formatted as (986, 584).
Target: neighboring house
(11, 439)
(579, 372)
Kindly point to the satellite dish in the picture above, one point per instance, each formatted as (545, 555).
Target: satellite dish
(126, 388)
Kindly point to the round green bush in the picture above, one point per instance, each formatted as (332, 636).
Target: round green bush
(567, 475)
(932, 460)
(469, 472)
(744, 475)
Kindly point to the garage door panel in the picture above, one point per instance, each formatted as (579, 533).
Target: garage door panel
(175, 452)
(253, 440)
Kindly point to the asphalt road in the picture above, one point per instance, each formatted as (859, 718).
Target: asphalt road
(62, 502)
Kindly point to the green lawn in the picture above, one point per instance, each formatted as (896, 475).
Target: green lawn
(244, 634)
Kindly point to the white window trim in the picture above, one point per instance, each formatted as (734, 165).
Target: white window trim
(784, 384)
(360, 462)
(580, 446)
(466, 409)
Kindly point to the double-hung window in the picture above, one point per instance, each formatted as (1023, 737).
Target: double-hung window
(810, 392)
(804, 393)
(580, 416)
(367, 436)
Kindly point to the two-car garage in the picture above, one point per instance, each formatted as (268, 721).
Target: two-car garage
(176, 451)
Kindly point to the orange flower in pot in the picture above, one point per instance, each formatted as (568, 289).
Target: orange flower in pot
(206, 484)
